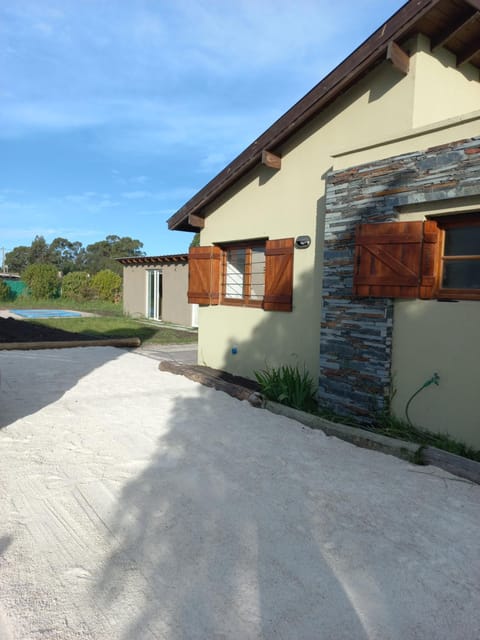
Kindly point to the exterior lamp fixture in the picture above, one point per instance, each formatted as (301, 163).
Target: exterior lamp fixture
(303, 242)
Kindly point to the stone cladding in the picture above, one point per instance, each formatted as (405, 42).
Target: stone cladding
(356, 333)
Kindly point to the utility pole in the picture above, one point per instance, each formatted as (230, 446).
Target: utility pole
(2, 249)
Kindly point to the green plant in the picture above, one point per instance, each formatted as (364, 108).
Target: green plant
(5, 293)
(288, 385)
(390, 425)
(76, 286)
(107, 285)
(42, 280)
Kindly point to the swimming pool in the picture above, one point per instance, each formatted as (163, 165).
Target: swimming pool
(45, 313)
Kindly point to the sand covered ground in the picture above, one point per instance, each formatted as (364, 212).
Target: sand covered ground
(139, 505)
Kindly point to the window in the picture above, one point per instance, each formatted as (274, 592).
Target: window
(459, 268)
(251, 274)
(438, 258)
(243, 274)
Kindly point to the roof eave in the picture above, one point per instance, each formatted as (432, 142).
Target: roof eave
(326, 91)
(165, 259)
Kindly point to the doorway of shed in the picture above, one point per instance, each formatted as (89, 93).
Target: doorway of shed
(154, 294)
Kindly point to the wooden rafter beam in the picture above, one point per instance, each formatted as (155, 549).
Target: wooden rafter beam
(474, 3)
(454, 29)
(196, 221)
(271, 160)
(398, 57)
(469, 53)
(153, 260)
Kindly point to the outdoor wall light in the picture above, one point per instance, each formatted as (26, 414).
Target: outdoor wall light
(303, 242)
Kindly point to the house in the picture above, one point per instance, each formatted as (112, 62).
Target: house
(346, 238)
(155, 287)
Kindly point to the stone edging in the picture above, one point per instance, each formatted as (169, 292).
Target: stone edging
(410, 451)
(457, 465)
(354, 435)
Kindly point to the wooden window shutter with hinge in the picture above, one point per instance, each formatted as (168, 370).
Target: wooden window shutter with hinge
(204, 275)
(396, 260)
(278, 275)
(430, 260)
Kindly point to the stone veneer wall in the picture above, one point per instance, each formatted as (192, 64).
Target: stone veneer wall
(356, 333)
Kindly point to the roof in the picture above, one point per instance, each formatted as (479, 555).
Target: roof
(151, 260)
(453, 24)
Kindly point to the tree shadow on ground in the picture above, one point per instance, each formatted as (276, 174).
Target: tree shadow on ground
(219, 536)
(34, 379)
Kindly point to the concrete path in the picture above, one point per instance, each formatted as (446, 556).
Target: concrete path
(138, 505)
(182, 353)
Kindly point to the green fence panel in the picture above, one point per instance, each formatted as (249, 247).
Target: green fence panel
(15, 286)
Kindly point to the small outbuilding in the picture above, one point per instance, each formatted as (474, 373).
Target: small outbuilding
(155, 287)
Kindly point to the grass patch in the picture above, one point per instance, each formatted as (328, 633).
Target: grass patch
(92, 306)
(123, 327)
(393, 427)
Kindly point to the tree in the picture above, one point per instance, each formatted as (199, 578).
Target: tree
(65, 254)
(5, 293)
(72, 256)
(101, 255)
(107, 285)
(42, 280)
(195, 241)
(18, 259)
(76, 286)
(39, 250)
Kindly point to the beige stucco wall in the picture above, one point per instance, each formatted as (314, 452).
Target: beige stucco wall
(442, 337)
(417, 139)
(438, 337)
(441, 90)
(175, 307)
(386, 114)
(288, 203)
(134, 290)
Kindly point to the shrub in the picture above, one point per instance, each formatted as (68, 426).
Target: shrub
(288, 385)
(76, 286)
(42, 280)
(107, 285)
(5, 293)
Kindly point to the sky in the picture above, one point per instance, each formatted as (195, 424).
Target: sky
(113, 113)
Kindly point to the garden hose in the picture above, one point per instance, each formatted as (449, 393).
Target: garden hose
(435, 379)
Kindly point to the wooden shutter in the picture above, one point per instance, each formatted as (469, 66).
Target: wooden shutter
(278, 275)
(430, 260)
(204, 275)
(396, 260)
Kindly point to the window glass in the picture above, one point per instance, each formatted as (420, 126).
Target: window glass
(257, 281)
(235, 273)
(461, 274)
(462, 241)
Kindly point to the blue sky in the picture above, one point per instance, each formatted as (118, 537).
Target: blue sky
(113, 113)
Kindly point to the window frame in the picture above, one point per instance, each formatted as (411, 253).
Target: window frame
(245, 300)
(445, 223)
(205, 274)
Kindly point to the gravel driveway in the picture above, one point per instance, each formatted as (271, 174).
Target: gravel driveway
(135, 505)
